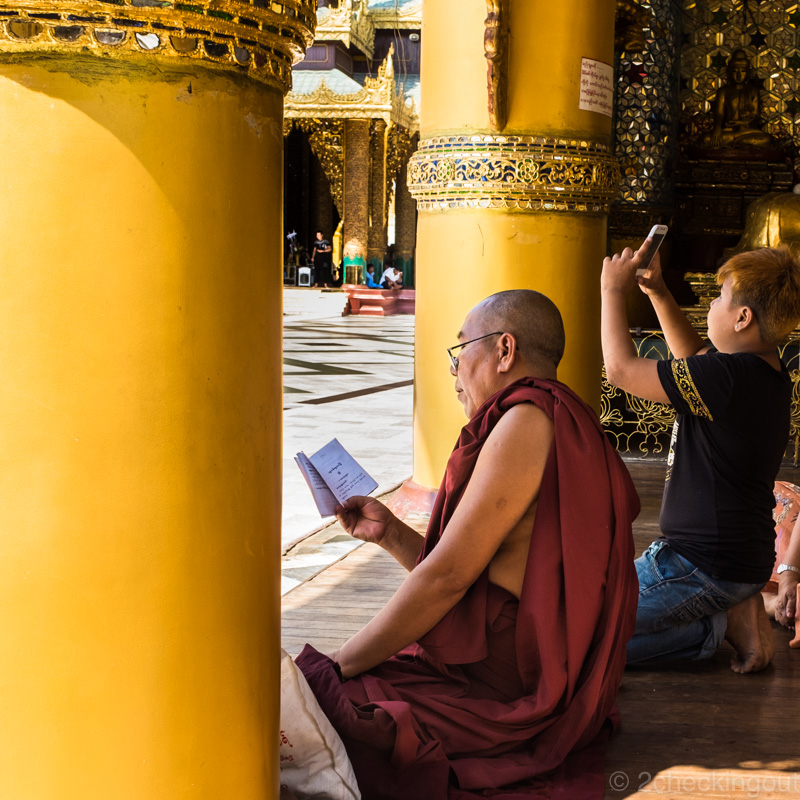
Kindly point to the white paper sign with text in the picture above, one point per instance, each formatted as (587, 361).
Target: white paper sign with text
(597, 87)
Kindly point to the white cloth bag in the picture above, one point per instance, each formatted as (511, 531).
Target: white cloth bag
(314, 763)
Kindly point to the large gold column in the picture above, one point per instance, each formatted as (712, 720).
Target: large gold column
(521, 204)
(376, 249)
(405, 224)
(356, 199)
(140, 416)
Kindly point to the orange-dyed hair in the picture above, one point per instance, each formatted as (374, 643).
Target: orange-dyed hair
(767, 281)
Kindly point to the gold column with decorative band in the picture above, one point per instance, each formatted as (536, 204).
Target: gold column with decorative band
(513, 180)
(140, 408)
(355, 234)
(529, 173)
(261, 39)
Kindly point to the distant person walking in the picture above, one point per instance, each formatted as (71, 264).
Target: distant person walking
(321, 255)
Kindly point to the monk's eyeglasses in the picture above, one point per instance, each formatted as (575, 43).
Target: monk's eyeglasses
(454, 359)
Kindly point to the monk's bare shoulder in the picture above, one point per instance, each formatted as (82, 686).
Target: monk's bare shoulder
(524, 433)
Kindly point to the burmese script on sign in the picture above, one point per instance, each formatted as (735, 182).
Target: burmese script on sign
(597, 86)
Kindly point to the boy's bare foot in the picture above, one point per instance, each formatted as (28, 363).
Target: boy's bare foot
(750, 634)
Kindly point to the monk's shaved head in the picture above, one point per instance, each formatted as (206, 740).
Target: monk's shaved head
(533, 319)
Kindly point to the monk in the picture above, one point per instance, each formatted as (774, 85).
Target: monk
(493, 670)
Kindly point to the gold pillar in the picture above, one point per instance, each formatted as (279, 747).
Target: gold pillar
(140, 403)
(507, 203)
(405, 224)
(356, 199)
(376, 249)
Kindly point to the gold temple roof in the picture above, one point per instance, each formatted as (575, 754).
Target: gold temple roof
(331, 94)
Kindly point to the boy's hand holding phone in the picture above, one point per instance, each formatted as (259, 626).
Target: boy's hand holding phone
(651, 280)
(647, 252)
(624, 270)
(618, 272)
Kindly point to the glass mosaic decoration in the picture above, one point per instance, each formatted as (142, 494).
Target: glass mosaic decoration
(646, 112)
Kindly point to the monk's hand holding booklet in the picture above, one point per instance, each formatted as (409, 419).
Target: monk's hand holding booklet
(333, 476)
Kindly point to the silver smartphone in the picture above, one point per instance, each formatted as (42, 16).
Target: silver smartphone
(657, 234)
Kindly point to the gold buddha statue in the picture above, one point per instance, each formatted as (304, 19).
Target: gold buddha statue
(736, 111)
(771, 220)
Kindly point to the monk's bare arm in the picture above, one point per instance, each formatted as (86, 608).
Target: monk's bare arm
(368, 519)
(504, 484)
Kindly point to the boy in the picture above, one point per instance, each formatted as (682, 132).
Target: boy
(371, 278)
(700, 582)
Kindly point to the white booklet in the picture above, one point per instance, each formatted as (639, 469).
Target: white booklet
(333, 475)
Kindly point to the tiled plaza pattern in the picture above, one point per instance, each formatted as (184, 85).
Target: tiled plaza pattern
(348, 378)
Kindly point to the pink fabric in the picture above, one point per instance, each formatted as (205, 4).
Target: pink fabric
(507, 698)
(787, 508)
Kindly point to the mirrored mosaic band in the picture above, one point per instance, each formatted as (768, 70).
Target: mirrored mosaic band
(529, 173)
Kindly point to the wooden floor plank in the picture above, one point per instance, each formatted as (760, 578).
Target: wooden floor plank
(693, 731)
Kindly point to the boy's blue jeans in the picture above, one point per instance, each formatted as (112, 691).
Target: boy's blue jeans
(681, 611)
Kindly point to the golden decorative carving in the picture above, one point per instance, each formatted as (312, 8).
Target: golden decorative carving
(326, 138)
(378, 99)
(705, 288)
(524, 172)
(350, 23)
(261, 39)
(495, 47)
(790, 355)
(645, 432)
(634, 424)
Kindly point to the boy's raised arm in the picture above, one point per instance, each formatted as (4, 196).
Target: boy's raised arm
(682, 339)
(624, 368)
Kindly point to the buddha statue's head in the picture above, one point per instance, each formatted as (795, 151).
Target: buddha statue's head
(738, 68)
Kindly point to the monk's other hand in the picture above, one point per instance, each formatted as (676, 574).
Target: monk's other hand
(365, 518)
(786, 604)
(619, 270)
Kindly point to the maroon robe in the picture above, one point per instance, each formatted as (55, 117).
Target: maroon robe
(508, 698)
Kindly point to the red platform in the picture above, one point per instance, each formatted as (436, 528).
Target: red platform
(377, 302)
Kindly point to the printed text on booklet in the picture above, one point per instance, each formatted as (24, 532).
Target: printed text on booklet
(333, 475)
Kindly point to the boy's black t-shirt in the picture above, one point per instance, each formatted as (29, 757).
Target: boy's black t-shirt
(729, 438)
